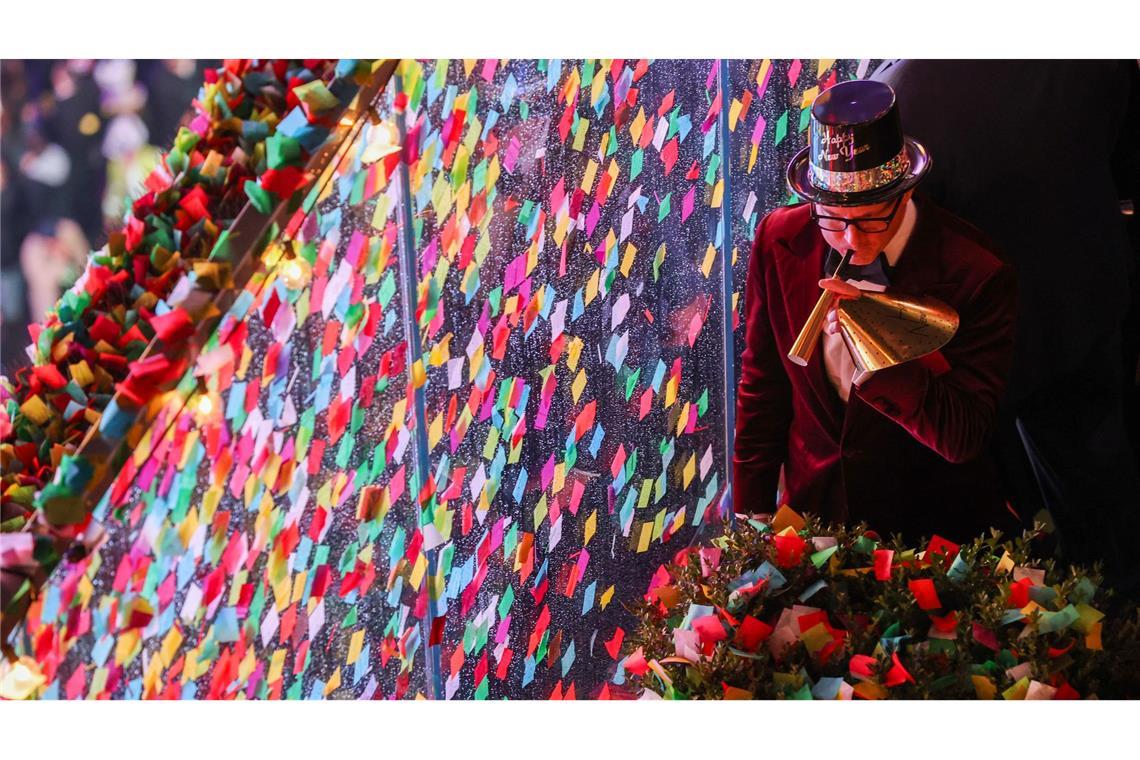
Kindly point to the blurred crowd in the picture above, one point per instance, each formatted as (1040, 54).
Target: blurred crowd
(77, 139)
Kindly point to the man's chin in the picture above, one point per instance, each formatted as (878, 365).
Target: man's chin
(863, 259)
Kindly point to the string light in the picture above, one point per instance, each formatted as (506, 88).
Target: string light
(204, 405)
(294, 271)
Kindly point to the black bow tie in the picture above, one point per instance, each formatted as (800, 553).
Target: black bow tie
(878, 271)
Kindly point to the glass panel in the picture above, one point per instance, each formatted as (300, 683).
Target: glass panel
(266, 546)
(566, 217)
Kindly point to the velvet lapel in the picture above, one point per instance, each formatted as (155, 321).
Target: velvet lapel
(799, 277)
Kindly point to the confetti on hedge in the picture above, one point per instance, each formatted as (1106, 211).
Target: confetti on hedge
(883, 622)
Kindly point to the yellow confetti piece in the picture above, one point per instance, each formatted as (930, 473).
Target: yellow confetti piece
(99, 682)
(235, 587)
(562, 226)
(573, 351)
(690, 470)
(210, 501)
(645, 537)
(573, 84)
(787, 517)
(823, 65)
(646, 492)
(299, 586)
(753, 154)
(127, 647)
(683, 419)
(81, 373)
(763, 72)
(592, 286)
(435, 431)
(1089, 616)
(248, 663)
(276, 666)
(36, 410)
(334, 682)
(1005, 564)
(559, 478)
(678, 520)
(734, 114)
(170, 644)
(591, 527)
(418, 571)
(710, 258)
(671, 391)
(637, 125)
(211, 165)
(869, 690)
(718, 194)
(983, 687)
(578, 385)
(540, 510)
(280, 584)
(153, 674)
(816, 637)
(419, 374)
(1092, 640)
(588, 177)
(1018, 690)
(628, 258)
(187, 528)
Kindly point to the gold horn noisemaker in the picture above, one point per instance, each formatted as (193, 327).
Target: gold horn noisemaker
(879, 329)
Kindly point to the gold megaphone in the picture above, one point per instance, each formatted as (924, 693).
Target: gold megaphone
(879, 329)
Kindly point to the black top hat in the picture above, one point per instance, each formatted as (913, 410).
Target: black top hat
(858, 154)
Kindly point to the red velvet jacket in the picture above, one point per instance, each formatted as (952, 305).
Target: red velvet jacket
(908, 452)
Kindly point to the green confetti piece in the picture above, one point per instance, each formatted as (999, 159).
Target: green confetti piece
(221, 249)
(261, 198)
(658, 259)
(781, 127)
(316, 95)
(635, 162)
(282, 150)
(821, 557)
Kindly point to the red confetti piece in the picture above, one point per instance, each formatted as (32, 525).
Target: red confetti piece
(897, 675)
(923, 590)
(882, 561)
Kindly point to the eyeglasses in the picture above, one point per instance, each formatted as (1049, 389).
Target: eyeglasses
(863, 224)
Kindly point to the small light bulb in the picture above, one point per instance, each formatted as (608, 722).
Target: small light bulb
(205, 405)
(295, 273)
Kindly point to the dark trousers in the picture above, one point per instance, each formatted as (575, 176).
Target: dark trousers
(1065, 448)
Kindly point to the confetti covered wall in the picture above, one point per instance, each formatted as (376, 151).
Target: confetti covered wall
(563, 222)
(267, 547)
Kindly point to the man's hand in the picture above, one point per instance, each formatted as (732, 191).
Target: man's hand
(840, 289)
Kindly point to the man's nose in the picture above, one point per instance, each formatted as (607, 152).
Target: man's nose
(853, 236)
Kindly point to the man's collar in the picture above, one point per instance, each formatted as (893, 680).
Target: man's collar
(895, 248)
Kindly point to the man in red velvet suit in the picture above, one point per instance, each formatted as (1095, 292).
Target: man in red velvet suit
(903, 448)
